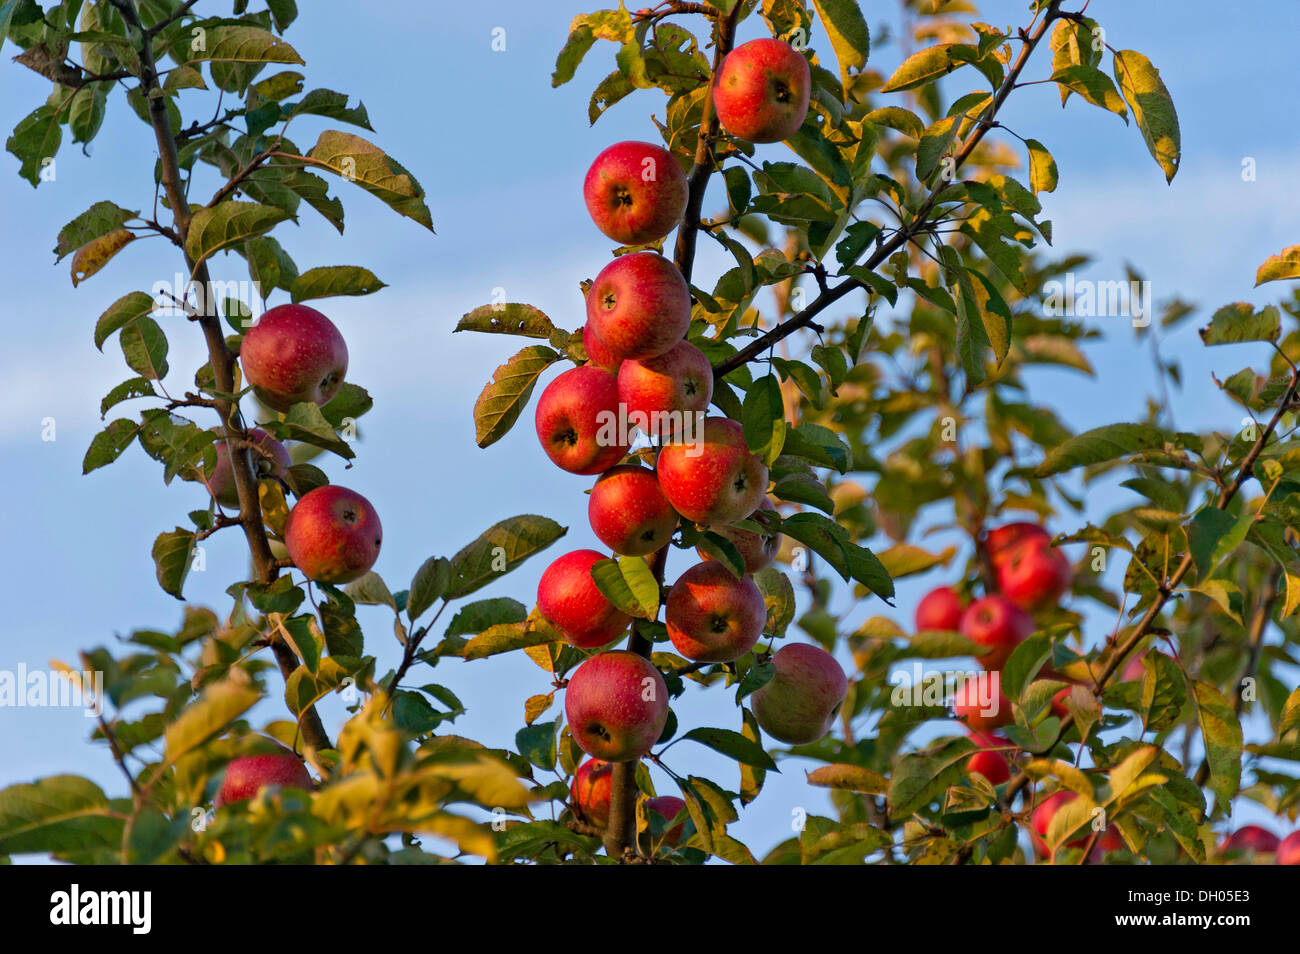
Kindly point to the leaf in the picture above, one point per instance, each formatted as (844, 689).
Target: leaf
(305, 422)
(171, 557)
(1285, 264)
(108, 445)
(852, 778)
(1101, 444)
(369, 167)
(1290, 714)
(478, 616)
(919, 778)
(936, 142)
(1094, 86)
(1042, 168)
(1270, 535)
(144, 346)
(35, 141)
(503, 399)
(334, 280)
(220, 704)
(1210, 536)
(507, 637)
(778, 595)
(1240, 322)
(508, 318)
(925, 66)
(128, 389)
(370, 590)
(62, 813)
(228, 224)
(629, 584)
(763, 419)
(226, 43)
(847, 30)
(500, 549)
(1024, 664)
(428, 586)
(331, 105)
(1152, 106)
(97, 221)
(537, 744)
(1164, 693)
(585, 29)
(97, 253)
(733, 745)
(1222, 737)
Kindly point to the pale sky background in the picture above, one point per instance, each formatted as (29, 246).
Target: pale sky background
(502, 156)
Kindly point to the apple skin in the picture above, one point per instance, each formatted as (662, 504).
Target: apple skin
(800, 702)
(639, 306)
(1249, 839)
(571, 419)
(980, 704)
(591, 787)
(617, 706)
(756, 549)
(992, 765)
(999, 624)
(668, 807)
(294, 354)
(713, 616)
(1034, 574)
(249, 774)
(628, 511)
(762, 91)
(667, 388)
(570, 600)
(222, 482)
(712, 478)
(939, 609)
(1288, 851)
(597, 353)
(333, 535)
(636, 192)
(1001, 540)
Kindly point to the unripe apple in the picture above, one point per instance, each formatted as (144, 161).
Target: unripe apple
(617, 706)
(999, 624)
(571, 602)
(798, 705)
(980, 704)
(1001, 540)
(1288, 852)
(712, 478)
(249, 774)
(222, 482)
(597, 353)
(1034, 574)
(591, 788)
(758, 550)
(939, 609)
(629, 512)
(991, 764)
(293, 354)
(714, 616)
(636, 192)
(333, 535)
(639, 306)
(667, 389)
(1249, 839)
(578, 421)
(668, 807)
(762, 91)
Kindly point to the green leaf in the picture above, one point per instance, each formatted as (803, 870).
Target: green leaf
(144, 346)
(504, 397)
(585, 29)
(226, 43)
(763, 419)
(500, 549)
(478, 616)
(733, 745)
(1164, 693)
(62, 813)
(1212, 534)
(331, 105)
(97, 221)
(370, 590)
(36, 139)
(850, 778)
(804, 489)
(1222, 737)
(507, 637)
(722, 550)
(508, 318)
(1024, 663)
(108, 444)
(1099, 445)
(128, 389)
(228, 224)
(1240, 322)
(428, 586)
(778, 595)
(537, 744)
(920, 778)
(926, 66)
(1094, 86)
(334, 280)
(1042, 168)
(936, 142)
(1152, 106)
(1270, 535)
(1285, 264)
(629, 584)
(220, 704)
(171, 557)
(366, 165)
(847, 29)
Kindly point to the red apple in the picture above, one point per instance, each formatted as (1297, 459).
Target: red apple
(629, 512)
(249, 774)
(636, 192)
(222, 482)
(710, 477)
(798, 705)
(333, 535)
(980, 704)
(1288, 852)
(666, 389)
(639, 306)
(293, 354)
(591, 787)
(1033, 574)
(713, 616)
(617, 706)
(597, 353)
(761, 92)
(668, 807)
(1001, 540)
(991, 764)
(1249, 839)
(999, 624)
(570, 600)
(758, 550)
(941, 608)
(578, 421)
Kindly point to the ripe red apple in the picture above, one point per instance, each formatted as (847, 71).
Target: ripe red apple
(800, 702)
(629, 512)
(666, 389)
(636, 192)
(710, 477)
(249, 774)
(1249, 839)
(992, 765)
(1033, 574)
(999, 624)
(591, 787)
(1288, 852)
(713, 616)
(333, 535)
(578, 421)
(758, 550)
(222, 482)
(570, 600)
(1001, 540)
(293, 354)
(668, 807)
(617, 706)
(761, 92)
(597, 353)
(939, 609)
(639, 306)
(980, 704)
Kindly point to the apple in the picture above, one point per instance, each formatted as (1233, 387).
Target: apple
(713, 615)
(980, 704)
(617, 706)
(636, 192)
(799, 703)
(591, 788)
(629, 512)
(712, 478)
(941, 608)
(578, 421)
(999, 624)
(758, 550)
(1288, 851)
(1249, 839)
(761, 93)
(333, 535)
(249, 774)
(667, 389)
(668, 807)
(222, 482)
(293, 354)
(1000, 540)
(992, 765)
(571, 602)
(597, 353)
(1033, 574)
(639, 306)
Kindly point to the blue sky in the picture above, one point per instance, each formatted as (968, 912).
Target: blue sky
(502, 156)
